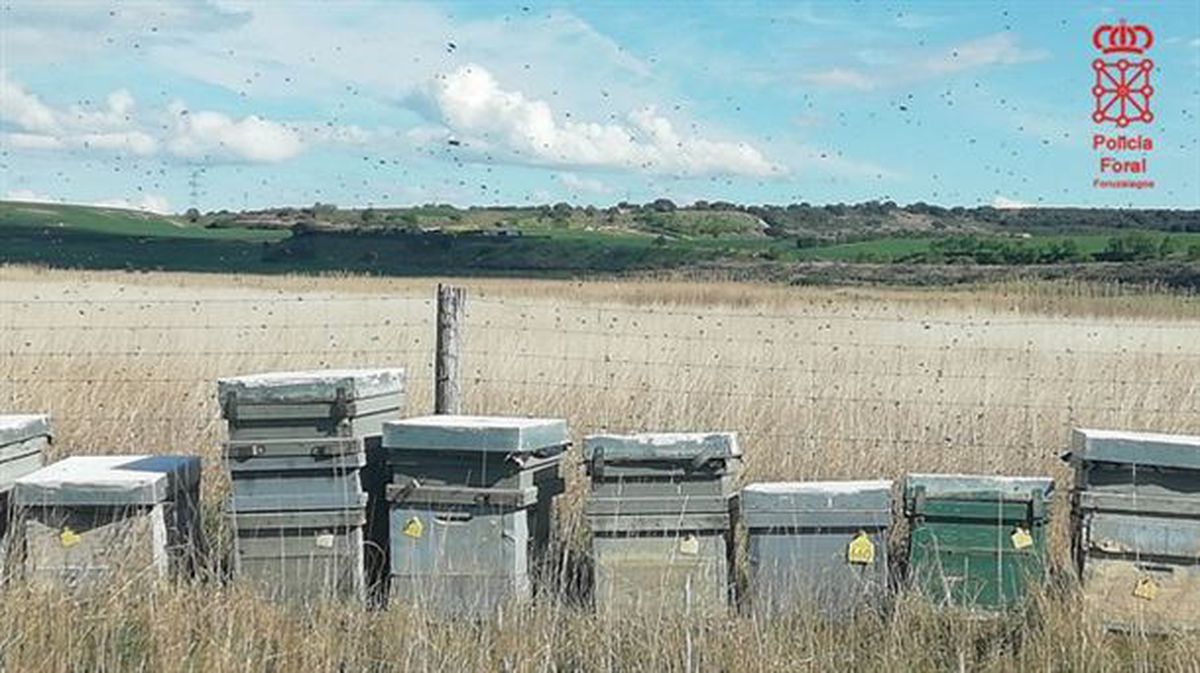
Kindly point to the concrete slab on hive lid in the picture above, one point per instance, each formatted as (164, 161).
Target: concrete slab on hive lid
(20, 427)
(661, 446)
(109, 481)
(1135, 448)
(973, 485)
(784, 496)
(448, 432)
(315, 386)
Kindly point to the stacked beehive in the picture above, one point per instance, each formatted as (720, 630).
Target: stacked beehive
(1136, 507)
(298, 442)
(471, 501)
(23, 441)
(87, 519)
(821, 546)
(659, 510)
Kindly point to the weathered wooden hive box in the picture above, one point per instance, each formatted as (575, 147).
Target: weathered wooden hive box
(1136, 528)
(817, 546)
(86, 518)
(304, 465)
(23, 442)
(977, 542)
(471, 502)
(659, 511)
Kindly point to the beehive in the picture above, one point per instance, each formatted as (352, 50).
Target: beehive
(471, 500)
(659, 511)
(87, 517)
(23, 442)
(977, 542)
(1136, 528)
(817, 546)
(303, 478)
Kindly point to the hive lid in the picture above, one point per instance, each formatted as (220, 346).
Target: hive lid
(974, 485)
(19, 427)
(661, 446)
(314, 386)
(1135, 448)
(818, 495)
(109, 480)
(507, 434)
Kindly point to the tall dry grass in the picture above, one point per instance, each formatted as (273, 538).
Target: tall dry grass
(819, 383)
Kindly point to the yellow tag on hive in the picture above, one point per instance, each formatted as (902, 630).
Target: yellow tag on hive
(1021, 538)
(413, 528)
(68, 537)
(689, 545)
(1146, 589)
(861, 549)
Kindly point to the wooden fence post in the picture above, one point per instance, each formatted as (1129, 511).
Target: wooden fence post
(447, 378)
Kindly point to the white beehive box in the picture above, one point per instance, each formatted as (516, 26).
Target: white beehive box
(87, 517)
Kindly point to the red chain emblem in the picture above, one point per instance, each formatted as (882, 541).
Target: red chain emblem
(1122, 88)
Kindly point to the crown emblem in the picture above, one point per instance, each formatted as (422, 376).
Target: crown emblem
(1122, 38)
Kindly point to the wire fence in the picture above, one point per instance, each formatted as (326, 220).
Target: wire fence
(836, 390)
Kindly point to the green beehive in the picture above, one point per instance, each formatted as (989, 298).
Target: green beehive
(977, 542)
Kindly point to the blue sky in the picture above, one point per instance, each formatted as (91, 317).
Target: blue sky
(235, 104)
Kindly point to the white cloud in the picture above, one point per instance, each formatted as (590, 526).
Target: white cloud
(151, 203)
(1005, 203)
(206, 133)
(579, 184)
(29, 123)
(487, 118)
(25, 109)
(28, 196)
(840, 78)
(32, 141)
(876, 73)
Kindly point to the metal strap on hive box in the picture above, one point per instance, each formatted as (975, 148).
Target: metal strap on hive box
(535, 461)
(317, 448)
(342, 408)
(1033, 500)
(597, 471)
(411, 492)
(702, 461)
(1139, 504)
(668, 505)
(230, 408)
(663, 524)
(798, 520)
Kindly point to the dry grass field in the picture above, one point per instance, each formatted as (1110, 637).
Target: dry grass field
(819, 383)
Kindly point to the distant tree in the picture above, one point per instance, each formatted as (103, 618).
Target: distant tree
(662, 206)
(1133, 246)
(367, 215)
(192, 215)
